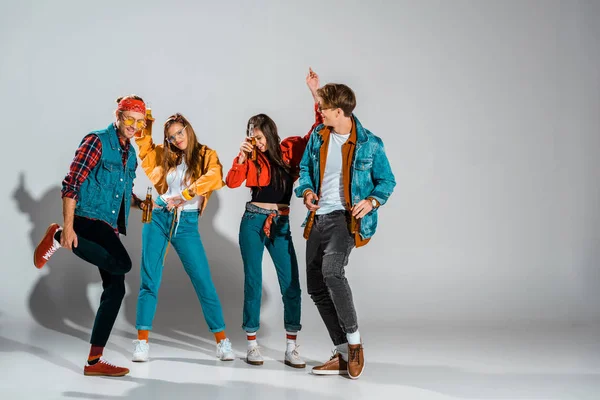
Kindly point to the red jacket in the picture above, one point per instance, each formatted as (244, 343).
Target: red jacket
(292, 149)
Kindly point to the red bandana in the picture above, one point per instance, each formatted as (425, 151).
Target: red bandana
(130, 104)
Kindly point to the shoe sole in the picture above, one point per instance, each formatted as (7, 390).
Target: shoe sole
(227, 359)
(329, 372)
(101, 374)
(255, 362)
(289, 364)
(36, 249)
(140, 360)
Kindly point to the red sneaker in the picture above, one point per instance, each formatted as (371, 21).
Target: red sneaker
(104, 368)
(47, 246)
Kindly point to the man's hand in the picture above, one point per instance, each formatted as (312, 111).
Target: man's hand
(310, 201)
(362, 208)
(154, 205)
(312, 81)
(68, 238)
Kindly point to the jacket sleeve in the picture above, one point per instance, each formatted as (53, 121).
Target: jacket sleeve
(293, 147)
(305, 181)
(383, 177)
(237, 174)
(211, 180)
(147, 148)
(151, 156)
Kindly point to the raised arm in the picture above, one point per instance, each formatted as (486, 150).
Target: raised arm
(293, 147)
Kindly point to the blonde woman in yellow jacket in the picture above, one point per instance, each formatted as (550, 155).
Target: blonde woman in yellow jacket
(184, 173)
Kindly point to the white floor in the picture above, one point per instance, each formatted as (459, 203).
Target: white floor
(401, 363)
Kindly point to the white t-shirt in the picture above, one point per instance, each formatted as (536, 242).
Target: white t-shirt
(177, 185)
(332, 187)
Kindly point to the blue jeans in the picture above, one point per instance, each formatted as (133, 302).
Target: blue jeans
(188, 245)
(281, 248)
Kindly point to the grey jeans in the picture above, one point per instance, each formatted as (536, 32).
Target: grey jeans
(327, 251)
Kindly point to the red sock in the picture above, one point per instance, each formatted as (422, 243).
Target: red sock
(251, 339)
(95, 354)
(291, 340)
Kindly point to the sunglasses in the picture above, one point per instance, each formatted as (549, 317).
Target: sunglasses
(321, 109)
(178, 135)
(129, 121)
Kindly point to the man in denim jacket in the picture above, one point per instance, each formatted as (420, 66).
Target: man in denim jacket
(345, 177)
(97, 194)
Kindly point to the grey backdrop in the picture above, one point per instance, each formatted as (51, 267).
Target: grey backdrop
(489, 112)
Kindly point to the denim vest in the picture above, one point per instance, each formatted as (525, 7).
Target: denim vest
(109, 184)
(371, 174)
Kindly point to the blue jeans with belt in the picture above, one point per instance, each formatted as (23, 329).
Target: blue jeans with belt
(186, 241)
(253, 242)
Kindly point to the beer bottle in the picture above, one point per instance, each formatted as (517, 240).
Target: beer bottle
(252, 140)
(148, 205)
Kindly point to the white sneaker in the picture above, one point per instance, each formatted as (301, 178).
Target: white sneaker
(293, 359)
(141, 350)
(224, 351)
(253, 357)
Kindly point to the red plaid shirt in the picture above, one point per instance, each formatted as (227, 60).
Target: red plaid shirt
(86, 158)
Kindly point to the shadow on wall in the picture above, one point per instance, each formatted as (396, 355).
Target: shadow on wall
(60, 294)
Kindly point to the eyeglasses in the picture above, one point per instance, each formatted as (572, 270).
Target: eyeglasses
(177, 135)
(129, 121)
(321, 109)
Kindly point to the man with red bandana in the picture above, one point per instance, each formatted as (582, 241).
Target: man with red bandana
(97, 194)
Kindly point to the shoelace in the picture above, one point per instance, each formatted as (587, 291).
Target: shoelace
(354, 354)
(295, 351)
(51, 250)
(334, 354)
(140, 346)
(254, 352)
(103, 361)
(226, 346)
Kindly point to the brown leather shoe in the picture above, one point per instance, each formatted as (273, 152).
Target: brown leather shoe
(104, 368)
(335, 366)
(356, 360)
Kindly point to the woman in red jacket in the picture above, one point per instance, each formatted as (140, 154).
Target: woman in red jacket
(265, 223)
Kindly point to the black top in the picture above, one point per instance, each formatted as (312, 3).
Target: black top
(275, 193)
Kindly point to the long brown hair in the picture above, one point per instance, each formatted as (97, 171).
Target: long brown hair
(173, 156)
(264, 123)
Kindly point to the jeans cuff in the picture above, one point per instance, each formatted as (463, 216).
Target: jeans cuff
(292, 327)
(251, 330)
(350, 329)
(215, 330)
(143, 327)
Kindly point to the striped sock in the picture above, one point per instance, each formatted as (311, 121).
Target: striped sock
(143, 335)
(220, 336)
(95, 354)
(291, 340)
(251, 336)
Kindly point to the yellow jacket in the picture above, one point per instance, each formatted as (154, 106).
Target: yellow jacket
(211, 176)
